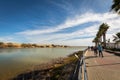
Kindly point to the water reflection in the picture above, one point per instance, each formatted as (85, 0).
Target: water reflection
(8, 50)
(13, 61)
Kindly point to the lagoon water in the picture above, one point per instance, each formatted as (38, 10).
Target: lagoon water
(14, 61)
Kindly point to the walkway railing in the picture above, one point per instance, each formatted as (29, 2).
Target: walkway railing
(84, 66)
(80, 72)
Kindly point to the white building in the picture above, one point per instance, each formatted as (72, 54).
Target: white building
(113, 45)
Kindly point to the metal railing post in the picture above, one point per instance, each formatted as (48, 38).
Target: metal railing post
(84, 65)
(82, 71)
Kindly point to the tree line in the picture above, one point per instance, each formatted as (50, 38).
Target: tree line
(27, 45)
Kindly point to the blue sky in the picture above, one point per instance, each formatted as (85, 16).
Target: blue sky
(67, 22)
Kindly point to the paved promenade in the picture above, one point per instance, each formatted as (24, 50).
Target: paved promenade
(106, 68)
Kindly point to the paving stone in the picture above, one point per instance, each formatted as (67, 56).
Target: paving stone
(106, 68)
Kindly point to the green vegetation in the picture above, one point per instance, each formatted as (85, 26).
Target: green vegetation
(116, 6)
(116, 37)
(10, 45)
(1, 45)
(65, 70)
(27, 45)
(101, 32)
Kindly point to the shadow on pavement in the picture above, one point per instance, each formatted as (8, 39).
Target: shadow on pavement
(104, 65)
(113, 52)
(109, 56)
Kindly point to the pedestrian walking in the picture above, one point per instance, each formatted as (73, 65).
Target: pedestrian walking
(100, 49)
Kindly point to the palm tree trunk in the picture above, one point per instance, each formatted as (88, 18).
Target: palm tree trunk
(104, 39)
(100, 39)
(96, 43)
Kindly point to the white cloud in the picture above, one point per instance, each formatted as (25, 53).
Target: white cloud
(67, 38)
(65, 5)
(77, 42)
(77, 20)
(43, 36)
(7, 39)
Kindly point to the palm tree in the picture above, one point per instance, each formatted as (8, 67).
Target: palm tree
(118, 34)
(98, 35)
(116, 6)
(96, 41)
(117, 37)
(103, 28)
(102, 32)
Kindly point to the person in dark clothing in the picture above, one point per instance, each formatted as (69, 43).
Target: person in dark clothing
(100, 49)
(95, 51)
(91, 48)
